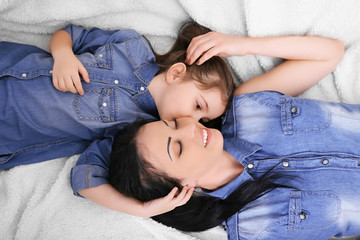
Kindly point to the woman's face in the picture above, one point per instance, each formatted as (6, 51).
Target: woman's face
(184, 149)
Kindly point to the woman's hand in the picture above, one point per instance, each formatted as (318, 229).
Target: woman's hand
(67, 68)
(167, 203)
(214, 44)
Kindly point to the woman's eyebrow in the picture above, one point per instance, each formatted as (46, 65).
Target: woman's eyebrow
(168, 147)
(169, 141)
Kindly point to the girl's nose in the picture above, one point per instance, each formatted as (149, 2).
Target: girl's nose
(198, 116)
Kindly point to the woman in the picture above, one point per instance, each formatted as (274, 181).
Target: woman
(283, 168)
(286, 168)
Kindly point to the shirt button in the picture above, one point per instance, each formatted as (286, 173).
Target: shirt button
(325, 161)
(116, 81)
(250, 165)
(24, 75)
(286, 164)
(293, 110)
(104, 104)
(302, 216)
(50, 71)
(142, 89)
(100, 55)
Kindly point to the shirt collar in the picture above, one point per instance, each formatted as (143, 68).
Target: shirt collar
(143, 98)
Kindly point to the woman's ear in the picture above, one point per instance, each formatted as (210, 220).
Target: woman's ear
(175, 72)
(188, 182)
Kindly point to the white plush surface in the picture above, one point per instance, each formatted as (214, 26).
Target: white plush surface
(36, 201)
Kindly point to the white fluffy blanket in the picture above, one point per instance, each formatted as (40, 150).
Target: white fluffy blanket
(36, 201)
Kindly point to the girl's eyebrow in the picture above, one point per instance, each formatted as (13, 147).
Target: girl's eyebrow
(206, 104)
(165, 122)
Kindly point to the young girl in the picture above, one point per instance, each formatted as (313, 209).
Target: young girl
(125, 81)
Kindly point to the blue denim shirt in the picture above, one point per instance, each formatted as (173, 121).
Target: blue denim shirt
(38, 122)
(316, 142)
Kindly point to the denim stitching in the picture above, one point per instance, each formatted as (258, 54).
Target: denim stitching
(139, 75)
(101, 93)
(261, 101)
(286, 120)
(88, 172)
(30, 74)
(108, 80)
(322, 194)
(38, 146)
(277, 223)
(128, 52)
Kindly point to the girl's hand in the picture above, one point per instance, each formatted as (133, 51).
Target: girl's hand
(67, 68)
(214, 44)
(168, 203)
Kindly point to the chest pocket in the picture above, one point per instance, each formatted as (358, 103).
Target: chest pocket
(303, 115)
(313, 210)
(96, 105)
(104, 56)
(101, 58)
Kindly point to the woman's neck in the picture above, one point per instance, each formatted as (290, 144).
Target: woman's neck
(228, 169)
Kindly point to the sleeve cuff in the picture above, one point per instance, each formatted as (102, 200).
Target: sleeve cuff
(74, 32)
(87, 176)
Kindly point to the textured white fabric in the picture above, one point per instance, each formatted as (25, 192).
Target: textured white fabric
(36, 201)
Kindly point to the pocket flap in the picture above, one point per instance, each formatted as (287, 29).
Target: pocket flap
(311, 210)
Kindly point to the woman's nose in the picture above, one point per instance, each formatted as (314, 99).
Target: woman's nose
(189, 128)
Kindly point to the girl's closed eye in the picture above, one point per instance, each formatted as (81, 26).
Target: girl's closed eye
(175, 123)
(198, 105)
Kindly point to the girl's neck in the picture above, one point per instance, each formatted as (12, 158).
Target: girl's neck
(156, 87)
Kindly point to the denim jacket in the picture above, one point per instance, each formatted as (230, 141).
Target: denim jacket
(38, 122)
(317, 145)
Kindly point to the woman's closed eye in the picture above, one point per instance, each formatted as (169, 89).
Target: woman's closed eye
(179, 148)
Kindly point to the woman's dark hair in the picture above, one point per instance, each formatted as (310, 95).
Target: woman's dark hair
(215, 72)
(133, 176)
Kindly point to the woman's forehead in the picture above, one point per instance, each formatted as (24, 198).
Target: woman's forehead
(151, 142)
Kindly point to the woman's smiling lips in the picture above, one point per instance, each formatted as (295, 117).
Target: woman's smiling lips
(206, 136)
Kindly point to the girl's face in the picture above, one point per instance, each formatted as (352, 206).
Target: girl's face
(186, 99)
(183, 148)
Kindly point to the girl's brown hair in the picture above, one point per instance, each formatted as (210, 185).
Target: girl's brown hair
(215, 72)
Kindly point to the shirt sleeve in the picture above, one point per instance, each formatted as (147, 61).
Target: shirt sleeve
(88, 40)
(92, 167)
